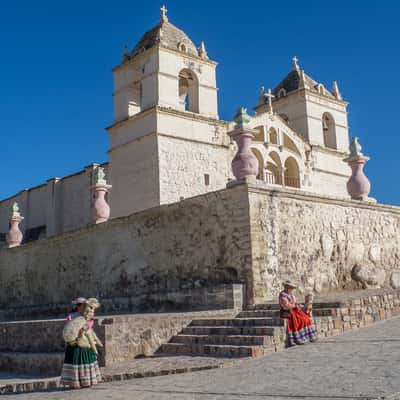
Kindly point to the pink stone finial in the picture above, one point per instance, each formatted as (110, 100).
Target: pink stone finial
(101, 209)
(358, 186)
(14, 235)
(245, 163)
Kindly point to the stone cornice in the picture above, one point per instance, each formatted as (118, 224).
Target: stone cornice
(137, 116)
(170, 111)
(329, 151)
(306, 91)
(323, 171)
(299, 194)
(127, 63)
(187, 56)
(326, 98)
(192, 116)
(162, 48)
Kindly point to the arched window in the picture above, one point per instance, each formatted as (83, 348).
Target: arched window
(260, 159)
(188, 91)
(135, 102)
(182, 47)
(273, 173)
(329, 131)
(281, 93)
(292, 173)
(273, 136)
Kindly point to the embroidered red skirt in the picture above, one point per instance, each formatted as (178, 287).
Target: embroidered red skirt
(300, 328)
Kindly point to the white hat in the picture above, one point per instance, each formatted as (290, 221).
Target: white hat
(79, 300)
(289, 283)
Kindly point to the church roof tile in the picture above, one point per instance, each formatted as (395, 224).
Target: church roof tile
(292, 82)
(168, 36)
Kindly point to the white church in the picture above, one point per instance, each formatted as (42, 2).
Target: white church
(167, 142)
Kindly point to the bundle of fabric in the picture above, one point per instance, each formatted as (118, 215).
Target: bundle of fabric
(80, 367)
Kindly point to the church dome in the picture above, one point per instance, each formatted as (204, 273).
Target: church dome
(297, 79)
(168, 36)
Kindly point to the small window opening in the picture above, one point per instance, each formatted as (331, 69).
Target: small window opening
(182, 47)
(207, 179)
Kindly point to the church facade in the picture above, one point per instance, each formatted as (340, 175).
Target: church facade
(167, 142)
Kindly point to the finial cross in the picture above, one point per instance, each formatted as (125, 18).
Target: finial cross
(270, 96)
(295, 62)
(164, 11)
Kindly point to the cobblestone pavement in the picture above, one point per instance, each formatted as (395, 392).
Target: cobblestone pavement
(359, 365)
(139, 368)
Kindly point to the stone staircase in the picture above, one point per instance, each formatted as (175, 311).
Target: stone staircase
(37, 347)
(252, 333)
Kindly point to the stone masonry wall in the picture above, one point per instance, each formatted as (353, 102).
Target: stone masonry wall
(200, 242)
(249, 234)
(325, 244)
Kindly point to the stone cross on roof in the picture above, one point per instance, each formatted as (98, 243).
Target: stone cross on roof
(164, 11)
(295, 63)
(270, 96)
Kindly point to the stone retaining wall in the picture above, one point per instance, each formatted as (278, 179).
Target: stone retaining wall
(358, 312)
(143, 262)
(221, 297)
(246, 234)
(324, 244)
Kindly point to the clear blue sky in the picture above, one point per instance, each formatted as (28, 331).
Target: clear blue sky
(56, 83)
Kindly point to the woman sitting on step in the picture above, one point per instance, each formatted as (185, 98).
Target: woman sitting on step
(300, 327)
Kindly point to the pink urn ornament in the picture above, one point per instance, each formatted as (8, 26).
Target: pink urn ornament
(14, 235)
(245, 163)
(358, 186)
(101, 209)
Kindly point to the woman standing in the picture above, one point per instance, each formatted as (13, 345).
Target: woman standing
(78, 308)
(80, 367)
(300, 328)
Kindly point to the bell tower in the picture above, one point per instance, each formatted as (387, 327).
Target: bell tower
(318, 114)
(165, 95)
(166, 69)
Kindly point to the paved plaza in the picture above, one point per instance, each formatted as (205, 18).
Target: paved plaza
(359, 365)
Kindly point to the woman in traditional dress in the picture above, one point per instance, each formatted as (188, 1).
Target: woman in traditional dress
(78, 308)
(80, 367)
(300, 327)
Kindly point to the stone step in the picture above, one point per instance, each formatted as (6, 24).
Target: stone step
(238, 322)
(275, 306)
(235, 340)
(259, 314)
(318, 312)
(46, 364)
(214, 350)
(233, 330)
(264, 306)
